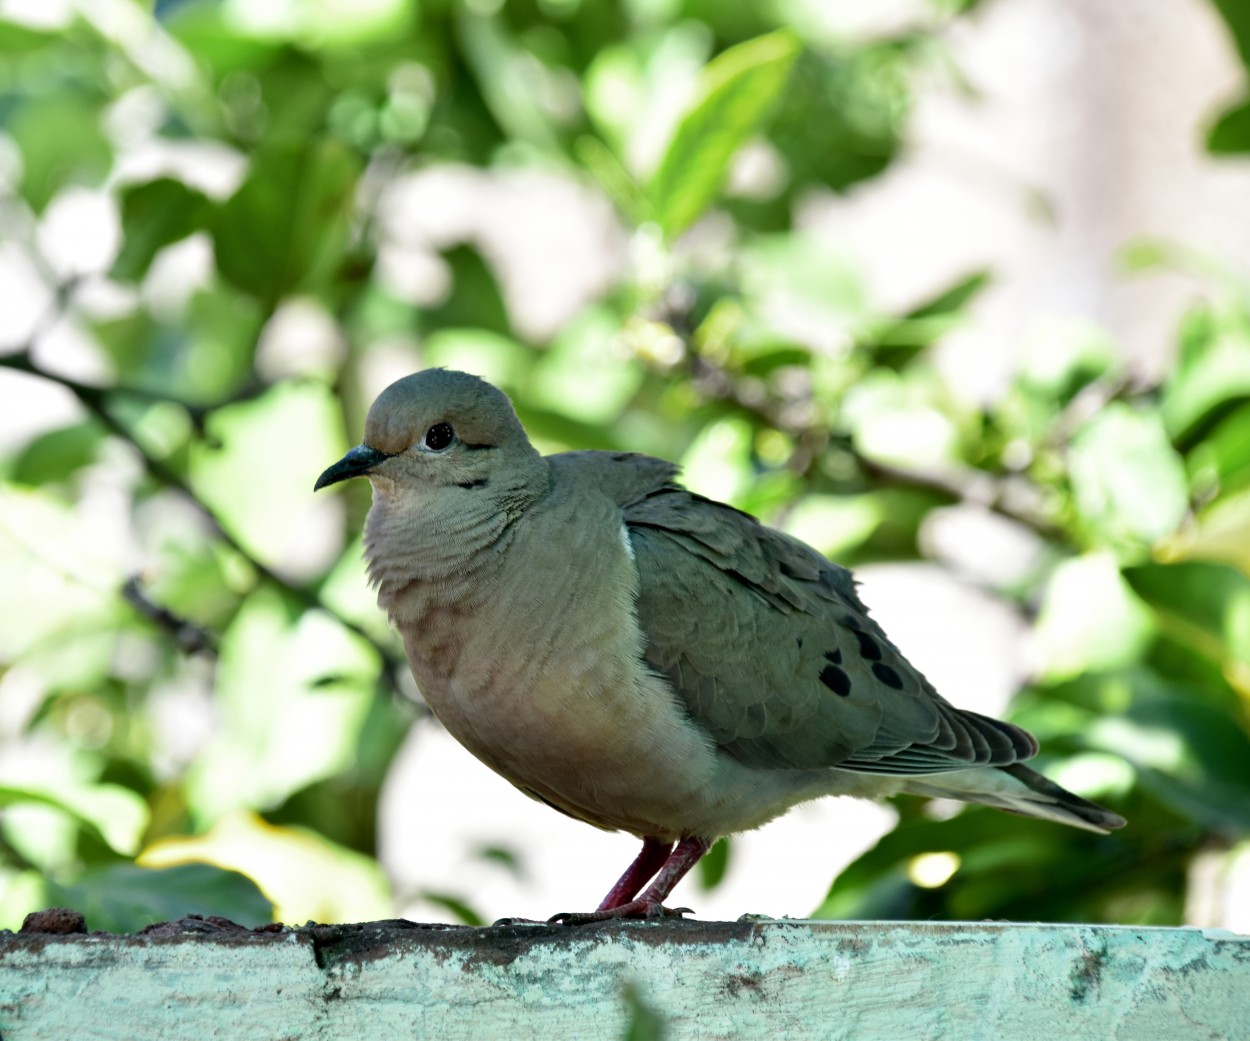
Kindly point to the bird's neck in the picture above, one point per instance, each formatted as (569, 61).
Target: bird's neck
(420, 559)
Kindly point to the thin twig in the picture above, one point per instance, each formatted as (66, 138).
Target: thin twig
(969, 486)
(190, 638)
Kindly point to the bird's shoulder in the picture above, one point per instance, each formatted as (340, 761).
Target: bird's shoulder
(624, 477)
(697, 532)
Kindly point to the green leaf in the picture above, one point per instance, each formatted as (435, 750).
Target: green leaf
(714, 864)
(476, 300)
(58, 454)
(1090, 619)
(286, 227)
(274, 734)
(613, 178)
(1212, 372)
(218, 337)
(511, 81)
(762, 359)
(220, 44)
(61, 576)
(902, 419)
(124, 898)
(114, 815)
(583, 374)
(1058, 366)
(1204, 604)
(192, 577)
(298, 423)
(297, 96)
(559, 429)
(300, 870)
(1006, 867)
(859, 98)
(322, 24)
(634, 90)
(1230, 133)
(1193, 756)
(735, 91)
(954, 298)
(718, 462)
(835, 524)
(815, 271)
(11, 795)
(896, 340)
(458, 908)
(646, 1023)
(1130, 484)
(21, 39)
(1221, 532)
(497, 358)
(1210, 802)
(1225, 453)
(156, 215)
(61, 142)
(507, 858)
(1237, 15)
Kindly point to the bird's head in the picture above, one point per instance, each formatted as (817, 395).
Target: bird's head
(441, 429)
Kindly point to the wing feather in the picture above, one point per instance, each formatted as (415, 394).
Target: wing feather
(770, 648)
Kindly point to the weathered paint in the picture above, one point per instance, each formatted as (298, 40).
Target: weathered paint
(708, 980)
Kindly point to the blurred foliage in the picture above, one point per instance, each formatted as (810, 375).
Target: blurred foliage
(186, 684)
(645, 1023)
(1231, 131)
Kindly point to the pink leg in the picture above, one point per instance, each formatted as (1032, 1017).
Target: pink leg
(651, 903)
(638, 874)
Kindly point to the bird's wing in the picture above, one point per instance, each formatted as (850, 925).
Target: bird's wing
(772, 651)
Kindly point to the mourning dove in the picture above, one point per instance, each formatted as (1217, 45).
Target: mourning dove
(640, 657)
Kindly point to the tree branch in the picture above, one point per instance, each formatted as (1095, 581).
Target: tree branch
(190, 638)
(999, 495)
(95, 400)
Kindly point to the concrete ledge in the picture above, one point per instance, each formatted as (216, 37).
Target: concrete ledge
(199, 979)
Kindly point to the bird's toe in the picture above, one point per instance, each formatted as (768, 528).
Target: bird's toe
(635, 909)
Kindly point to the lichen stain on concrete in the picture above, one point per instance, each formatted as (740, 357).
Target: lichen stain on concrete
(854, 946)
(1199, 963)
(749, 983)
(1086, 975)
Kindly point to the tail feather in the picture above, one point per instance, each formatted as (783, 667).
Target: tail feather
(1018, 789)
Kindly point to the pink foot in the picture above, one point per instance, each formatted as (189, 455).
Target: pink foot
(653, 857)
(621, 901)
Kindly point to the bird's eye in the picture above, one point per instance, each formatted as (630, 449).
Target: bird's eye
(439, 436)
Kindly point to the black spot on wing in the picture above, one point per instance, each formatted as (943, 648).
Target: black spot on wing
(887, 675)
(836, 680)
(834, 656)
(479, 483)
(867, 646)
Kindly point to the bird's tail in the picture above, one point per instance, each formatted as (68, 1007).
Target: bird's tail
(1018, 789)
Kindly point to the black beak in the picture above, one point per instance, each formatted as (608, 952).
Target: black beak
(358, 462)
